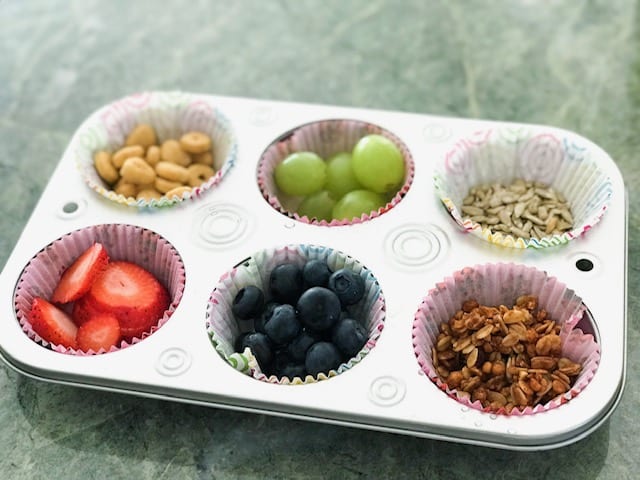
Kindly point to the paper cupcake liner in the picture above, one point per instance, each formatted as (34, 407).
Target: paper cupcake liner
(325, 138)
(501, 155)
(223, 328)
(122, 242)
(501, 284)
(171, 114)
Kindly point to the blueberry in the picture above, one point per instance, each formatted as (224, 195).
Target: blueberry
(248, 302)
(322, 357)
(316, 273)
(348, 285)
(292, 370)
(349, 336)
(327, 335)
(281, 358)
(318, 308)
(238, 344)
(285, 283)
(298, 347)
(260, 345)
(261, 320)
(283, 325)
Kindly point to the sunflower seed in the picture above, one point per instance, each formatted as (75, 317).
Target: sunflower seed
(543, 213)
(509, 198)
(551, 224)
(504, 217)
(533, 218)
(520, 233)
(525, 209)
(518, 210)
(566, 215)
(545, 193)
(527, 196)
(472, 210)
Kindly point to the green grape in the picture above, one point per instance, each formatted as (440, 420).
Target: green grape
(356, 203)
(318, 206)
(377, 164)
(340, 176)
(301, 173)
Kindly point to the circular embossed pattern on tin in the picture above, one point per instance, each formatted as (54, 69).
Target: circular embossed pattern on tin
(122, 243)
(535, 171)
(329, 139)
(171, 115)
(504, 338)
(225, 324)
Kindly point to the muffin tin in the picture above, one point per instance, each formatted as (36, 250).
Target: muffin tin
(409, 249)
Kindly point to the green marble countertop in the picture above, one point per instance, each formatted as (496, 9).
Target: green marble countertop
(569, 64)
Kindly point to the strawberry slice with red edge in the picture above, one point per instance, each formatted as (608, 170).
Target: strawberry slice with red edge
(101, 331)
(78, 278)
(52, 324)
(132, 294)
(83, 309)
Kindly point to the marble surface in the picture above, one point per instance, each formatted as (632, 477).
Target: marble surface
(568, 64)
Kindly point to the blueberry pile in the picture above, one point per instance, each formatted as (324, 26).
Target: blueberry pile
(302, 324)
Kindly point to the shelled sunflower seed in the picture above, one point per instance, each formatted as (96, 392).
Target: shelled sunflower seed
(524, 209)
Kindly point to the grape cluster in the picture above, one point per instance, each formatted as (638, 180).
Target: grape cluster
(347, 185)
(302, 326)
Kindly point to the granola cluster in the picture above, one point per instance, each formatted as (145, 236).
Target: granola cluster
(505, 358)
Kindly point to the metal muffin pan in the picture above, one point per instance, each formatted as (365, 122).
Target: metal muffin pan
(409, 249)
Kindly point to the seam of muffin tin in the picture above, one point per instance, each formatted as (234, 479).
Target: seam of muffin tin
(405, 400)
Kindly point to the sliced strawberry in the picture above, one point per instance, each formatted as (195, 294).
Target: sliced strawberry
(83, 309)
(77, 279)
(52, 324)
(100, 331)
(132, 294)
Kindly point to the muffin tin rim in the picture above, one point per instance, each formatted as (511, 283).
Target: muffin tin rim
(384, 118)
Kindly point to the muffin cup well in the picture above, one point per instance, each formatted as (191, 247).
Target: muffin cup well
(223, 329)
(501, 284)
(171, 114)
(325, 138)
(122, 242)
(502, 155)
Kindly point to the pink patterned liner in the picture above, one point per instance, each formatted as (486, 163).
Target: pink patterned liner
(223, 329)
(496, 284)
(122, 242)
(325, 138)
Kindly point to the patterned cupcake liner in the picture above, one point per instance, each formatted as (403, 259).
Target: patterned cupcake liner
(501, 284)
(325, 138)
(223, 328)
(501, 155)
(122, 242)
(171, 114)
